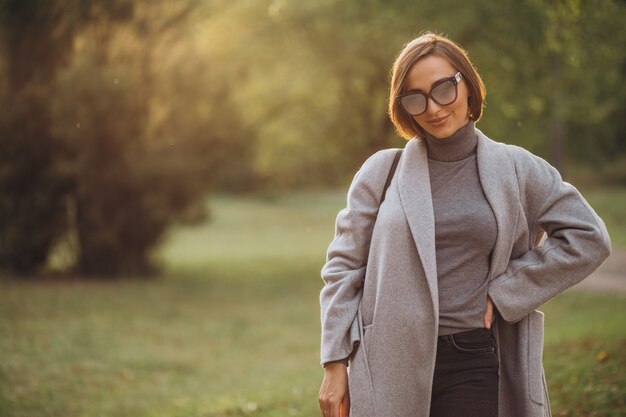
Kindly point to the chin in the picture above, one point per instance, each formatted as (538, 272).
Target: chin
(447, 130)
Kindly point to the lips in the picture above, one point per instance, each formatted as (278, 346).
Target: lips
(439, 121)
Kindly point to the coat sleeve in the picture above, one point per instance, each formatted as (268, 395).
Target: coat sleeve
(577, 240)
(344, 270)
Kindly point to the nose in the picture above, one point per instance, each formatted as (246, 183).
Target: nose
(432, 106)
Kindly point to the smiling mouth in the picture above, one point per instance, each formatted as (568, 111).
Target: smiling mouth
(438, 121)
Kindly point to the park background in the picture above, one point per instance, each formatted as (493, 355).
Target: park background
(170, 172)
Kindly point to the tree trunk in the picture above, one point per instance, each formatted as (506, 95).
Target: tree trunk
(558, 128)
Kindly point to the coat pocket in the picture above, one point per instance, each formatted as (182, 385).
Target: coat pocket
(536, 382)
(360, 380)
(367, 329)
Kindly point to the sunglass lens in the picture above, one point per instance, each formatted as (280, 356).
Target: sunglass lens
(444, 93)
(414, 103)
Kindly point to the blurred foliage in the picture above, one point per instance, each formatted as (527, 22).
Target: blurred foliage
(119, 116)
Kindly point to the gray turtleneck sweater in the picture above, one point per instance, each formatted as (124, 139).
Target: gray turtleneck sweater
(465, 230)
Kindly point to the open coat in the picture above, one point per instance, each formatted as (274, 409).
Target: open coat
(379, 304)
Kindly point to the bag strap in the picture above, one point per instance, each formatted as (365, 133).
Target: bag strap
(392, 170)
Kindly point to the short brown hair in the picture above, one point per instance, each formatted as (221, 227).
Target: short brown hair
(431, 44)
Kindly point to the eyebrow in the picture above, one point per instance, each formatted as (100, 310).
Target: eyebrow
(418, 90)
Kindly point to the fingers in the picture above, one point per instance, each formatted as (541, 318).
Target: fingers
(331, 405)
(345, 405)
(323, 399)
(335, 404)
(488, 318)
(333, 395)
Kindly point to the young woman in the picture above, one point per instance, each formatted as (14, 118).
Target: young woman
(428, 307)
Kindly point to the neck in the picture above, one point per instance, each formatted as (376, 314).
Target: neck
(459, 145)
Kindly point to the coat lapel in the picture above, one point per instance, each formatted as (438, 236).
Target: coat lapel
(498, 179)
(499, 182)
(416, 199)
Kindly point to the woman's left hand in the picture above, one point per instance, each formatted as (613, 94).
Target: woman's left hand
(488, 319)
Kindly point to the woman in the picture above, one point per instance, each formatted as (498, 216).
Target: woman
(413, 284)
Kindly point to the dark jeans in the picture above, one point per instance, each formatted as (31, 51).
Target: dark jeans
(466, 375)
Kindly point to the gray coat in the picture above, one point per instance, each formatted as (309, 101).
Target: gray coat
(379, 304)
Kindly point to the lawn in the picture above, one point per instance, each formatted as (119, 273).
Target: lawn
(232, 328)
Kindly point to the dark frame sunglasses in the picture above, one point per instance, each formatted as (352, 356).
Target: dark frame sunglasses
(407, 100)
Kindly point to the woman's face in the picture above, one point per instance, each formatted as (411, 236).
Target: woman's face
(439, 121)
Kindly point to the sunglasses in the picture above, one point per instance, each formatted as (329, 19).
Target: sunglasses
(443, 92)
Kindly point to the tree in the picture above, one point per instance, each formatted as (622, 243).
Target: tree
(134, 173)
(32, 187)
(107, 155)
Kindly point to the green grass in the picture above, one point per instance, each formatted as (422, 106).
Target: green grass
(585, 354)
(233, 328)
(274, 229)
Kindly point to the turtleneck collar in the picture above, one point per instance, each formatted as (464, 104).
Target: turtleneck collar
(459, 145)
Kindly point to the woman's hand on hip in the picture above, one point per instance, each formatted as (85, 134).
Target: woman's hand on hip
(334, 396)
(488, 318)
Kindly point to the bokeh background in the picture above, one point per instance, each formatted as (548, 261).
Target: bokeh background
(170, 172)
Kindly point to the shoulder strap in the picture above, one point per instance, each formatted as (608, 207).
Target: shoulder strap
(392, 170)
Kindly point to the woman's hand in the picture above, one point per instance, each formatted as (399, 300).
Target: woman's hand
(334, 397)
(488, 318)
